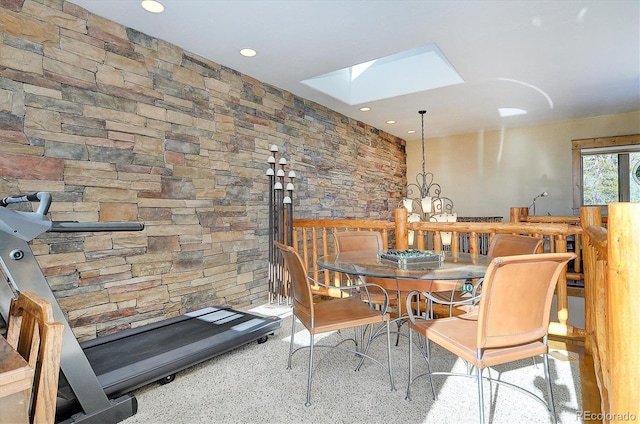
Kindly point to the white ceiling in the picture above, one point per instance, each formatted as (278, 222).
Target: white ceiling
(559, 60)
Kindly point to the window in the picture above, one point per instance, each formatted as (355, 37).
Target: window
(606, 170)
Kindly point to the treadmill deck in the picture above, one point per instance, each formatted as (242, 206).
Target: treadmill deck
(136, 357)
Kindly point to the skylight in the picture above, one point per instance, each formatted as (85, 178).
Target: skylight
(412, 71)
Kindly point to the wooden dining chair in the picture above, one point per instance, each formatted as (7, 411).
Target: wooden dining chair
(332, 314)
(32, 331)
(512, 322)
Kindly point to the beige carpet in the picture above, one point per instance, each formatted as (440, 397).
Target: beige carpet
(252, 385)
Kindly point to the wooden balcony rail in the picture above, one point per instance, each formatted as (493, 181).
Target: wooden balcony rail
(521, 214)
(312, 238)
(612, 322)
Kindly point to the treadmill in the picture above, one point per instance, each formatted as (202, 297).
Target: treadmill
(97, 376)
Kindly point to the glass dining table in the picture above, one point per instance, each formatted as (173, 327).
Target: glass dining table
(459, 266)
(446, 274)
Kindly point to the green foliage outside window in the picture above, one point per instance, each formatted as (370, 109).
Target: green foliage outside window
(600, 179)
(600, 182)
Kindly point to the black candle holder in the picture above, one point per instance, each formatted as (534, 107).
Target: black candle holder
(280, 223)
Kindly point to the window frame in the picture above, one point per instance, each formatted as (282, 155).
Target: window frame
(616, 143)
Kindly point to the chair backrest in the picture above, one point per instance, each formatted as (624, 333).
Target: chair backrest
(514, 244)
(302, 296)
(347, 241)
(367, 241)
(516, 298)
(31, 330)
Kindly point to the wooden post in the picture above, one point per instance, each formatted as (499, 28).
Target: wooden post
(473, 243)
(561, 288)
(623, 304)
(402, 233)
(518, 214)
(589, 215)
(595, 252)
(419, 238)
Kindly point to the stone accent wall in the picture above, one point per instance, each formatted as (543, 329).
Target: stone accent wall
(121, 126)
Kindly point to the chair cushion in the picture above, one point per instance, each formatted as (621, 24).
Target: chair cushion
(459, 336)
(338, 314)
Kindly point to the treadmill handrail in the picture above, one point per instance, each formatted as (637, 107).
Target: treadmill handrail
(42, 196)
(29, 225)
(78, 227)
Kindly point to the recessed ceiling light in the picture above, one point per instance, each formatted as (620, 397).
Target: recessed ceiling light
(365, 109)
(152, 6)
(391, 122)
(248, 52)
(505, 112)
(411, 132)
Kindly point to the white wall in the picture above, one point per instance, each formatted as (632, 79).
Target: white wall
(487, 173)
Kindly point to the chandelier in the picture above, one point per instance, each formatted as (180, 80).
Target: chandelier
(424, 201)
(424, 197)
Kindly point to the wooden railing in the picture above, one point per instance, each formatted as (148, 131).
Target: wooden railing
(612, 306)
(522, 215)
(312, 238)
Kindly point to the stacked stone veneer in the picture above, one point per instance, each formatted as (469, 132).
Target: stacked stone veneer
(121, 126)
